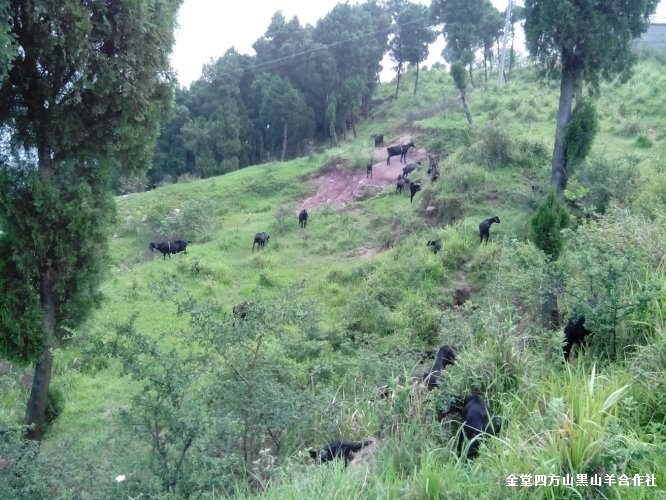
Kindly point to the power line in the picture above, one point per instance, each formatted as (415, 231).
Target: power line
(275, 63)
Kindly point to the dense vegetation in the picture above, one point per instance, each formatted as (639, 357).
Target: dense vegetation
(160, 387)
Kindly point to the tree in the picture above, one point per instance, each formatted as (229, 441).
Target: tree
(81, 99)
(460, 81)
(281, 105)
(490, 28)
(412, 37)
(585, 40)
(461, 19)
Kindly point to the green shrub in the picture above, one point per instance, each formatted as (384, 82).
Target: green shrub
(54, 405)
(580, 133)
(495, 149)
(550, 218)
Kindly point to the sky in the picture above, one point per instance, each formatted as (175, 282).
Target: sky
(207, 28)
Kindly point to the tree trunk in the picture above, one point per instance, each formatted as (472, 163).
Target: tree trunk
(397, 85)
(471, 76)
(485, 67)
(334, 136)
(578, 89)
(466, 108)
(559, 163)
(416, 82)
(35, 414)
(284, 141)
(353, 125)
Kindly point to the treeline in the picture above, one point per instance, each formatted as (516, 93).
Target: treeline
(308, 84)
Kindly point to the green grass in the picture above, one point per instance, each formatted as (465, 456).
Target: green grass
(378, 290)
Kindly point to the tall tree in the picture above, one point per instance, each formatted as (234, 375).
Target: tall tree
(490, 28)
(586, 40)
(411, 38)
(82, 97)
(461, 20)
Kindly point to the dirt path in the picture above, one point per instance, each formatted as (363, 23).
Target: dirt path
(339, 185)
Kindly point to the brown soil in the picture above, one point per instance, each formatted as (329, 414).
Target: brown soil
(337, 185)
(463, 291)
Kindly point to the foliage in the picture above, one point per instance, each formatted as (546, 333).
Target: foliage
(195, 220)
(547, 223)
(614, 262)
(459, 75)
(580, 132)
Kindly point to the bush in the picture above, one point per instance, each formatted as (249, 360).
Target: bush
(495, 148)
(196, 220)
(548, 221)
(580, 132)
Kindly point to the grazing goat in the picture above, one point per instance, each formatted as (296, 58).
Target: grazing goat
(368, 169)
(477, 419)
(414, 187)
(574, 333)
(260, 239)
(409, 168)
(537, 189)
(399, 150)
(303, 218)
(435, 244)
(169, 247)
(401, 184)
(446, 355)
(338, 449)
(484, 228)
(379, 140)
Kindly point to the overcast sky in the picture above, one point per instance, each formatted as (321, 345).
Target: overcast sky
(209, 27)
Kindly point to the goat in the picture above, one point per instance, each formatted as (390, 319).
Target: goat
(484, 228)
(338, 449)
(241, 310)
(169, 247)
(399, 150)
(434, 174)
(414, 187)
(260, 239)
(368, 169)
(575, 333)
(477, 419)
(446, 355)
(401, 184)
(379, 139)
(302, 218)
(409, 168)
(435, 244)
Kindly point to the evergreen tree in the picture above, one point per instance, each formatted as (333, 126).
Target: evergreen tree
(81, 99)
(583, 40)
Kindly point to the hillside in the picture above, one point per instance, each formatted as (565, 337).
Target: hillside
(165, 387)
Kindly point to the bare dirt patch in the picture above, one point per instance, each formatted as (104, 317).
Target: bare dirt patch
(462, 290)
(338, 185)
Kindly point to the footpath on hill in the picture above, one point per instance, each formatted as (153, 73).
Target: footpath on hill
(337, 185)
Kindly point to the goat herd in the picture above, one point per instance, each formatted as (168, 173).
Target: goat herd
(476, 417)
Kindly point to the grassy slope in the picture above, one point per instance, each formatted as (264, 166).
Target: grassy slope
(223, 269)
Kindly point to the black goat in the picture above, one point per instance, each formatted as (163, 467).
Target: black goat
(446, 355)
(484, 228)
(575, 333)
(414, 187)
(399, 150)
(409, 168)
(379, 140)
(169, 247)
(242, 310)
(435, 244)
(477, 419)
(260, 239)
(368, 169)
(434, 174)
(401, 184)
(303, 218)
(338, 449)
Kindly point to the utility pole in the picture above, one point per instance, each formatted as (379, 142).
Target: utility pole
(507, 24)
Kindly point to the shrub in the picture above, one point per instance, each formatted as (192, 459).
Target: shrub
(496, 147)
(608, 179)
(548, 221)
(580, 132)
